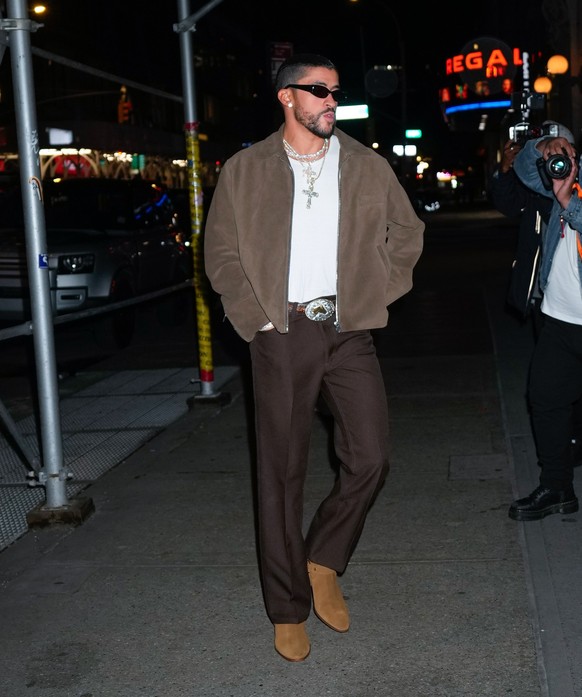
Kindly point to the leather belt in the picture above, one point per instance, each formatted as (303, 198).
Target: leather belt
(317, 310)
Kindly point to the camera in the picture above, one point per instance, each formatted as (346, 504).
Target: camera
(526, 102)
(555, 167)
(525, 131)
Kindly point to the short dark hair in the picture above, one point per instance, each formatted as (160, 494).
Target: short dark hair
(295, 67)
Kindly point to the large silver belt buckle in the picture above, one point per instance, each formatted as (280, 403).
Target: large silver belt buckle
(319, 309)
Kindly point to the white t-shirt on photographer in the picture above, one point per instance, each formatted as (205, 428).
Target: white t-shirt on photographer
(563, 294)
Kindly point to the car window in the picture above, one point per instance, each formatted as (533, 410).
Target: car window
(152, 206)
(96, 203)
(90, 206)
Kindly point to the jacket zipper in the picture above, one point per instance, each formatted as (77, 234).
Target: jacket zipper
(289, 248)
(337, 324)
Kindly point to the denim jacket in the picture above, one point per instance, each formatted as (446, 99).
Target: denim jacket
(526, 169)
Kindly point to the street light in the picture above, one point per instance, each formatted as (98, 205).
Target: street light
(557, 66)
(543, 85)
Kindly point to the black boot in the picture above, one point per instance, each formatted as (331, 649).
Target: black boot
(542, 502)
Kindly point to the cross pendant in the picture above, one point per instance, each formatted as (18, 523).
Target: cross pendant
(310, 194)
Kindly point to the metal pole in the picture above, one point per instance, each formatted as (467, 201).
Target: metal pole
(191, 126)
(52, 475)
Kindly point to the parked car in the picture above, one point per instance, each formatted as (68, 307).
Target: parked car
(108, 240)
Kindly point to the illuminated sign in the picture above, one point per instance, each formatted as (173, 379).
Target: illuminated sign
(484, 66)
(492, 63)
(404, 150)
(357, 111)
(480, 106)
(481, 83)
(59, 136)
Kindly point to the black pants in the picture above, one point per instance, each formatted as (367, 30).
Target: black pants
(555, 386)
(538, 320)
(289, 373)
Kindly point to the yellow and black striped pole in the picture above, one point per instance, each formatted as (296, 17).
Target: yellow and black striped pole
(187, 24)
(196, 197)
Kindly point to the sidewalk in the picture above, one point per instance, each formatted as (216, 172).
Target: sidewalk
(157, 594)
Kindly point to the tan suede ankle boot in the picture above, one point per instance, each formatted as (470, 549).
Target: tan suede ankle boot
(328, 602)
(292, 642)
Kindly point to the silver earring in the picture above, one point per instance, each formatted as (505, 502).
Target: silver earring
(289, 104)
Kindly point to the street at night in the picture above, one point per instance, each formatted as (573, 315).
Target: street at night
(132, 523)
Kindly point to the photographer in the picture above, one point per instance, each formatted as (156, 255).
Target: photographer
(515, 200)
(549, 166)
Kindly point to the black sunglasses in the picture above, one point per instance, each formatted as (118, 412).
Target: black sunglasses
(321, 92)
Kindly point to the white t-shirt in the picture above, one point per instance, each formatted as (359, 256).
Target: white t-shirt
(563, 295)
(314, 230)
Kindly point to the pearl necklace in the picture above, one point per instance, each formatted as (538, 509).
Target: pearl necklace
(310, 157)
(305, 160)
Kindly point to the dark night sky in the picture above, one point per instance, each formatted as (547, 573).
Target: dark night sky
(127, 38)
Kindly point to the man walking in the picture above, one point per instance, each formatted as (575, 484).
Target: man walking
(308, 239)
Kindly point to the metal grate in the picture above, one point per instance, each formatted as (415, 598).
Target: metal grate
(101, 425)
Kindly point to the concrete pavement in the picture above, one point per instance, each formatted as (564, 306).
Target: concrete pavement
(157, 594)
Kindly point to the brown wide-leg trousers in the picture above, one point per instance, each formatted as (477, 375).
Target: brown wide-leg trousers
(289, 372)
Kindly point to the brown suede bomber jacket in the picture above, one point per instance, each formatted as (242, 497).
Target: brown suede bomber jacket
(248, 230)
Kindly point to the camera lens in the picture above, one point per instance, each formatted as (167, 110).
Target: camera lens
(558, 166)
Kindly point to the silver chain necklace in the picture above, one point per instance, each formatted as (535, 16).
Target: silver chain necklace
(310, 174)
(310, 157)
(311, 177)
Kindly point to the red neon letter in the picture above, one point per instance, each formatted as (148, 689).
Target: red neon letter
(497, 58)
(457, 64)
(474, 60)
